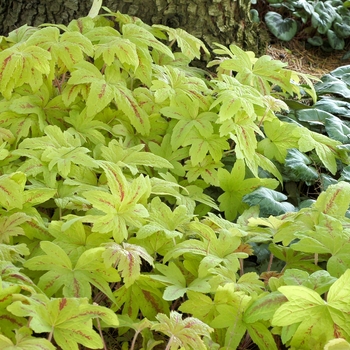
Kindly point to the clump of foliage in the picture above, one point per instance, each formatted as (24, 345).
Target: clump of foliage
(324, 23)
(148, 204)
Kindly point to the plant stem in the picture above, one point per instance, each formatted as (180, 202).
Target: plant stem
(270, 262)
(49, 337)
(241, 267)
(169, 343)
(134, 340)
(100, 331)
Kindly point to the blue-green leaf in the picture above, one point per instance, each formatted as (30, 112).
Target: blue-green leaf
(283, 29)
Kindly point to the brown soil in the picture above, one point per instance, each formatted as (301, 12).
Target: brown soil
(311, 60)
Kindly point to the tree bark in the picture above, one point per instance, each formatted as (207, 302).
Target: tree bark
(222, 21)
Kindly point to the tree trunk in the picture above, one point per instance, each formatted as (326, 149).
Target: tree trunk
(222, 21)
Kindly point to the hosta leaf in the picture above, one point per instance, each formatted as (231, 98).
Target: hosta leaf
(298, 169)
(283, 29)
(333, 105)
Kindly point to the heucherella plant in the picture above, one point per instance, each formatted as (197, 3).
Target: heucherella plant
(147, 204)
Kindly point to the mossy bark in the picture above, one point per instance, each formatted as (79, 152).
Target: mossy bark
(223, 21)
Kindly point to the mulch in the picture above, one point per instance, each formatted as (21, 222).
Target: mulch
(310, 60)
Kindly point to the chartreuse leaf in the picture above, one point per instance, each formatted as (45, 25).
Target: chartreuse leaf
(163, 219)
(66, 49)
(101, 93)
(183, 333)
(172, 82)
(190, 46)
(8, 321)
(75, 239)
(190, 119)
(13, 253)
(235, 186)
(335, 200)
(122, 49)
(132, 157)
(337, 344)
(144, 295)
(10, 226)
(59, 150)
(127, 257)
(280, 137)
(75, 280)
(328, 237)
(23, 64)
(325, 148)
(176, 282)
(69, 320)
(230, 314)
(263, 308)
(294, 259)
(11, 190)
(165, 151)
(235, 97)
(216, 250)
(207, 169)
(120, 208)
(269, 201)
(314, 318)
(24, 341)
(201, 146)
(88, 127)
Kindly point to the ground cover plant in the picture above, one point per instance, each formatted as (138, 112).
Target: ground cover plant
(324, 23)
(148, 204)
